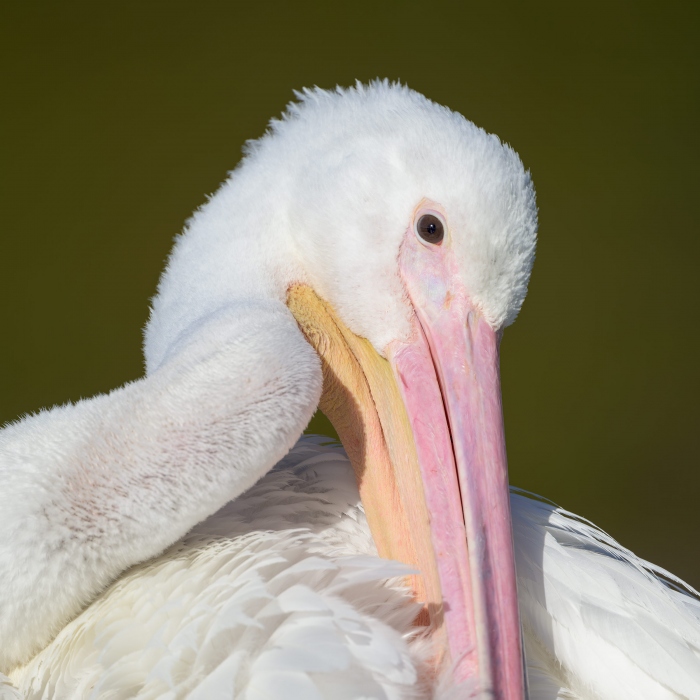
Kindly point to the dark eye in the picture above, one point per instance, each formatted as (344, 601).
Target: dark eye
(430, 229)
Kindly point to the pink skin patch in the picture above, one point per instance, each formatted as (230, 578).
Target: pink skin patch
(448, 373)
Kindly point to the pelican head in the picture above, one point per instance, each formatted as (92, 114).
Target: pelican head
(401, 237)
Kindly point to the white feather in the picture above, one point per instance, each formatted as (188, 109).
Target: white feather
(280, 594)
(93, 488)
(598, 619)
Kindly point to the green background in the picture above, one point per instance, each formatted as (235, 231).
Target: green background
(117, 118)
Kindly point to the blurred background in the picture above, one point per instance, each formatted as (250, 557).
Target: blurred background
(118, 118)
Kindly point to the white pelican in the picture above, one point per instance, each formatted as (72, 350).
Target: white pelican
(366, 254)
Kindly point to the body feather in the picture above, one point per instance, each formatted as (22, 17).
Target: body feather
(280, 594)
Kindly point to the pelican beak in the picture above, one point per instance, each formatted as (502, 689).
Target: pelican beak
(424, 432)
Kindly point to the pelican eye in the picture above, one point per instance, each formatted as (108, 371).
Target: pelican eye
(430, 229)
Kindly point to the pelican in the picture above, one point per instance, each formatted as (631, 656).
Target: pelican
(177, 538)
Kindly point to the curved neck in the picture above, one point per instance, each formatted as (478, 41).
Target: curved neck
(230, 254)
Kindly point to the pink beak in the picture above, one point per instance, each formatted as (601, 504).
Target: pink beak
(448, 374)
